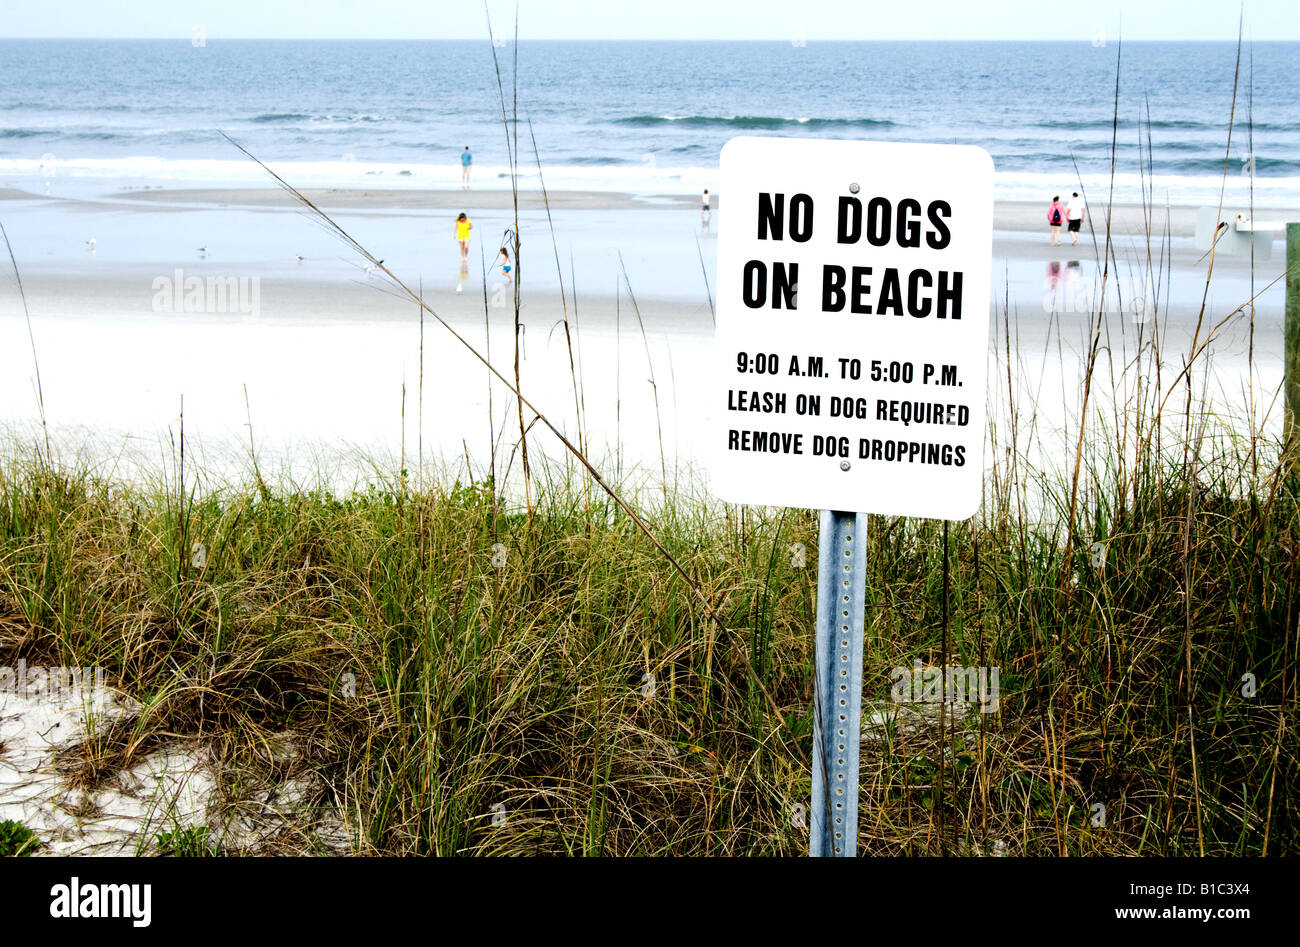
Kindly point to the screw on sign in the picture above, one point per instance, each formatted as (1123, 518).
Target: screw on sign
(852, 332)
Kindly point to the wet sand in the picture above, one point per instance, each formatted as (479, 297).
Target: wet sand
(1009, 216)
(1017, 216)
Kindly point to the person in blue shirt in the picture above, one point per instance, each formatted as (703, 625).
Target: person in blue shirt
(465, 160)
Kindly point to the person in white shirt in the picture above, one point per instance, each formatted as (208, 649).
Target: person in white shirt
(1074, 215)
(706, 210)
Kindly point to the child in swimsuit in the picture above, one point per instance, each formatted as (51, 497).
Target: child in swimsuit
(463, 227)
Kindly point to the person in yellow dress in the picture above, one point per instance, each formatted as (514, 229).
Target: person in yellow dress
(463, 227)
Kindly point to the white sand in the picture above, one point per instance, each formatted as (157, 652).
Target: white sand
(175, 786)
(325, 358)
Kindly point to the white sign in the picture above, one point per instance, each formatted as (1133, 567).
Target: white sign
(852, 326)
(1231, 233)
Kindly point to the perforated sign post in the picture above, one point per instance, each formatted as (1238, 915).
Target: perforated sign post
(852, 335)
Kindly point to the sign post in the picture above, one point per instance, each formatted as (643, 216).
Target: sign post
(851, 347)
(1291, 341)
(837, 695)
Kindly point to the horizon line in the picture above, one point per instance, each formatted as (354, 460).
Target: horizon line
(627, 39)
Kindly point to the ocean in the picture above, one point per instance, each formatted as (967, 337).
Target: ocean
(643, 117)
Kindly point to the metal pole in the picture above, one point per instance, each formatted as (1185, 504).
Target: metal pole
(1291, 361)
(837, 717)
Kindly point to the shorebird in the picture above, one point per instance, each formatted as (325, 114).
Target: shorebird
(90, 244)
(203, 251)
(298, 257)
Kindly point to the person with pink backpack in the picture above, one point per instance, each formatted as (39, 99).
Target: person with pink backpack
(1056, 217)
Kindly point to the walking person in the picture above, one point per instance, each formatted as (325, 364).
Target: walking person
(503, 261)
(463, 227)
(1056, 217)
(466, 159)
(1075, 214)
(706, 209)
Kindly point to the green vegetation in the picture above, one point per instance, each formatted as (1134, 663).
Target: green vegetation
(187, 841)
(470, 679)
(17, 839)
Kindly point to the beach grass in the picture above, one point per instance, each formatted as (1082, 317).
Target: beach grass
(464, 680)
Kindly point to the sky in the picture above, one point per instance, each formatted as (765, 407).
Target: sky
(811, 20)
